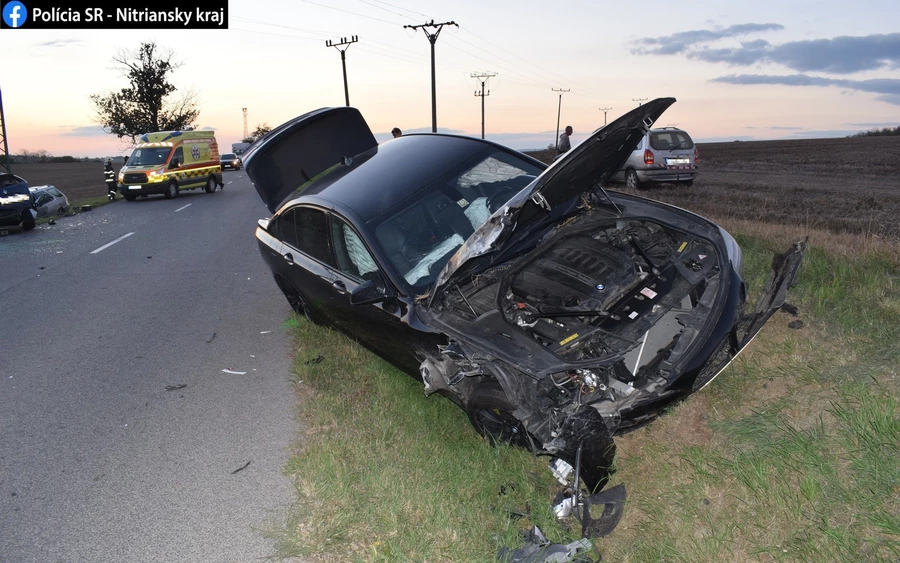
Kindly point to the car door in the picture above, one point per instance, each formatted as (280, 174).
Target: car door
(306, 249)
(383, 327)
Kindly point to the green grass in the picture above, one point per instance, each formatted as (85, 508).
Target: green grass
(792, 454)
(385, 474)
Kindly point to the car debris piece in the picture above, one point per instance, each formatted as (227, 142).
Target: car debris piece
(318, 359)
(790, 309)
(795, 324)
(231, 371)
(538, 549)
(176, 387)
(86, 208)
(211, 338)
(561, 470)
(265, 331)
(602, 512)
(241, 468)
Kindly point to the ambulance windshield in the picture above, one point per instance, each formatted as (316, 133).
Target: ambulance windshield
(150, 156)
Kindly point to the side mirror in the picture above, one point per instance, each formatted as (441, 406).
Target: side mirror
(366, 293)
(175, 164)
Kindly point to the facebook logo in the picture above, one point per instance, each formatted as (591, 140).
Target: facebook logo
(14, 14)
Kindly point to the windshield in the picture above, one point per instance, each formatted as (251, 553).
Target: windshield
(420, 238)
(151, 156)
(228, 156)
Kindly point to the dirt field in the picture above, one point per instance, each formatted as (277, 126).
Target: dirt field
(78, 180)
(845, 185)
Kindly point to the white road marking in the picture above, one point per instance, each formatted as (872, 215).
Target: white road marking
(183, 207)
(229, 183)
(107, 245)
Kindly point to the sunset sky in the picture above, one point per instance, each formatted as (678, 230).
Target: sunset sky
(739, 70)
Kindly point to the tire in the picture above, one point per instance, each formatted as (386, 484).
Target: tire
(60, 211)
(129, 197)
(27, 220)
(631, 180)
(172, 190)
(211, 185)
(490, 412)
(295, 299)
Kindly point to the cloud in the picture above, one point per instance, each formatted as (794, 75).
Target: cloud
(60, 43)
(84, 131)
(839, 55)
(874, 124)
(682, 41)
(889, 88)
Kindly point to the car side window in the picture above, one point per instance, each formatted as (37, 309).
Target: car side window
(351, 254)
(306, 230)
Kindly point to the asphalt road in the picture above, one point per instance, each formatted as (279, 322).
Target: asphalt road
(99, 460)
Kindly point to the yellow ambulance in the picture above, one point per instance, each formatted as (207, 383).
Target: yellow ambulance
(170, 161)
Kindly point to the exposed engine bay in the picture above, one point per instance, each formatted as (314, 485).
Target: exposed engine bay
(597, 314)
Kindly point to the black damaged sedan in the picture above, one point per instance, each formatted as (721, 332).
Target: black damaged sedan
(555, 312)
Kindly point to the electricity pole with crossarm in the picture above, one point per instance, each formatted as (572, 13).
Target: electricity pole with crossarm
(343, 51)
(484, 77)
(432, 38)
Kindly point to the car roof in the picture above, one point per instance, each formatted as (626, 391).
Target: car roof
(381, 178)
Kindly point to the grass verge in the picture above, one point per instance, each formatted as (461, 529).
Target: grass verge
(790, 455)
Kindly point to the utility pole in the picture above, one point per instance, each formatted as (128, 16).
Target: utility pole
(343, 51)
(558, 114)
(639, 100)
(246, 131)
(482, 93)
(432, 38)
(4, 146)
(604, 110)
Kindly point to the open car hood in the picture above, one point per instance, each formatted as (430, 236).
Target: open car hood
(592, 163)
(302, 148)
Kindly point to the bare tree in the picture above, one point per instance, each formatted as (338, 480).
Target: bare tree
(147, 104)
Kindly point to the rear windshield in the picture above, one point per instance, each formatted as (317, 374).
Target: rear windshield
(670, 140)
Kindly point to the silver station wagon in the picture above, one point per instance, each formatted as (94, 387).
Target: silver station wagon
(663, 155)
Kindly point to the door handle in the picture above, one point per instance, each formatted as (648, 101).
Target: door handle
(289, 257)
(339, 287)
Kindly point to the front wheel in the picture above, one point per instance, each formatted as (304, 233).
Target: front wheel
(129, 197)
(211, 185)
(172, 190)
(491, 413)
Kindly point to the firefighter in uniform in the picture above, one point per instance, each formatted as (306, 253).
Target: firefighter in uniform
(110, 176)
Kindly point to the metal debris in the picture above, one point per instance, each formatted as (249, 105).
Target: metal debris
(211, 338)
(176, 387)
(795, 324)
(241, 468)
(317, 360)
(538, 549)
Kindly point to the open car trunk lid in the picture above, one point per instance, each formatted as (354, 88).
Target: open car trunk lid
(302, 148)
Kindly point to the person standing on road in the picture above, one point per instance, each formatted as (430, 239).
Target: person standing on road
(110, 175)
(564, 143)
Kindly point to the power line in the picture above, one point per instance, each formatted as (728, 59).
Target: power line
(432, 38)
(484, 77)
(343, 51)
